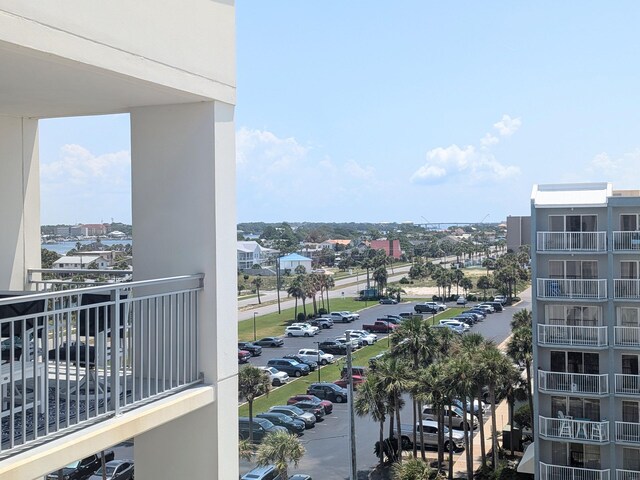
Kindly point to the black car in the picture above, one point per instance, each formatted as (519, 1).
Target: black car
(270, 342)
(328, 391)
(333, 347)
(252, 348)
(313, 365)
(425, 308)
(261, 428)
(388, 301)
(290, 367)
(294, 425)
(81, 469)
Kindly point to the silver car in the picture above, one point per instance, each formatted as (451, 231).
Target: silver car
(430, 435)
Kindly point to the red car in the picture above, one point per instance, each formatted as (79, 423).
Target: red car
(243, 356)
(357, 380)
(326, 404)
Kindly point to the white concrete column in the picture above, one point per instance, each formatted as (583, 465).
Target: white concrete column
(19, 201)
(184, 217)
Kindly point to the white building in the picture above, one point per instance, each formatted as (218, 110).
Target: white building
(251, 253)
(586, 331)
(171, 66)
(80, 262)
(293, 260)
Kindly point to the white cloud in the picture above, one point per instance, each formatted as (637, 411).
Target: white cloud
(265, 148)
(489, 140)
(621, 171)
(354, 169)
(507, 126)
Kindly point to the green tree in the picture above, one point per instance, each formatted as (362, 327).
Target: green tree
(380, 277)
(484, 283)
(412, 469)
(48, 257)
(520, 347)
(257, 282)
(280, 449)
(370, 400)
(252, 382)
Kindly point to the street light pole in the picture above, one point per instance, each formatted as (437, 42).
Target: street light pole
(352, 423)
(254, 326)
(318, 352)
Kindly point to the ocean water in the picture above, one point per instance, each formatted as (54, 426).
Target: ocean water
(63, 247)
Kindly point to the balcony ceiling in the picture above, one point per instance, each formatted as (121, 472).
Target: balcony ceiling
(35, 84)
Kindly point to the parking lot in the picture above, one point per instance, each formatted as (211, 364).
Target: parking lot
(328, 444)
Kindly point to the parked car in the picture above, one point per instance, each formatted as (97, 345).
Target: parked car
(486, 307)
(424, 308)
(406, 314)
(291, 367)
(439, 306)
(355, 370)
(311, 407)
(115, 470)
(355, 342)
(261, 428)
(454, 329)
(322, 323)
(299, 331)
(263, 473)
(300, 476)
(313, 354)
(243, 356)
(344, 382)
(477, 311)
(326, 404)
(497, 306)
(313, 328)
(333, 347)
(455, 323)
(81, 469)
(456, 414)
(380, 326)
(388, 301)
(293, 425)
(309, 419)
(252, 348)
(339, 317)
(270, 342)
(461, 300)
(430, 435)
(474, 406)
(328, 391)
(366, 337)
(500, 298)
(277, 377)
(312, 364)
(354, 315)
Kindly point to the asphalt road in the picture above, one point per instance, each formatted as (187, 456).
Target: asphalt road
(328, 443)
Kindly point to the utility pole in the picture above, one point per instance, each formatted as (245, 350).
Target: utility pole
(352, 422)
(278, 282)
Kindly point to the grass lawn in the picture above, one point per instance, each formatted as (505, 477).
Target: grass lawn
(273, 324)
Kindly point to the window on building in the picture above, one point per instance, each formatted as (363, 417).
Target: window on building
(629, 270)
(584, 456)
(576, 407)
(573, 223)
(631, 459)
(573, 269)
(575, 362)
(630, 364)
(628, 317)
(574, 315)
(629, 222)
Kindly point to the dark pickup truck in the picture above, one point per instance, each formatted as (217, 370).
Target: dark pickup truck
(81, 469)
(380, 326)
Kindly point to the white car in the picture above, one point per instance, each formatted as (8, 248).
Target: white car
(355, 341)
(298, 331)
(308, 326)
(500, 298)
(315, 355)
(486, 307)
(276, 376)
(355, 316)
(456, 324)
(367, 338)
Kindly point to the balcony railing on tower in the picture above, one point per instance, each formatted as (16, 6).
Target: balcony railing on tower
(74, 357)
(565, 288)
(569, 335)
(559, 472)
(627, 384)
(592, 384)
(571, 242)
(627, 336)
(626, 241)
(628, 289)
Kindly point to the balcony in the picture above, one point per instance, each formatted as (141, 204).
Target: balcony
(571, 242)
(580, 430)
(628, 432)
(627, 474)
(589, 384)
(577, 289)
(572, 336)
(78, 356)
(626, 241)
(627, 384)
(558, 472)
(627, 336)
(626, 289)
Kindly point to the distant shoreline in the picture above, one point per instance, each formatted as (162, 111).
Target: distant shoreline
(63, 247)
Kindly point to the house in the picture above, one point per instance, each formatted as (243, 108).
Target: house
(81, 262)
(390, 247)
(250, 253)
(171, 68)
(586, 331)
(333, 244)
(293, 260)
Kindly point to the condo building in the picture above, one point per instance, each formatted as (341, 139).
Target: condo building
(85, 367)
(586, 326)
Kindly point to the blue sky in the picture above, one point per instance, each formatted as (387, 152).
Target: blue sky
(398, 111)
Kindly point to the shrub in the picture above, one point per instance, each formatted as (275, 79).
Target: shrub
(301, 317)
(436, 298)
(322, 311)
(472, 298)
(405, 281)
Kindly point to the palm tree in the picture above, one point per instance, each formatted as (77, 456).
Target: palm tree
(463, 385)
(380, 277)
(370, 400)
(522, 318)
(252, 382)
(412, 469)
(472, 345)
(295, 290)
(520, 349)
(257, 282)
(246, 449)
(396, 290)
(280, 449)
(330, 283)
(458, 276)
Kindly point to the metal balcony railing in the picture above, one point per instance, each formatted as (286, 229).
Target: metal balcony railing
(627, 474)
(571, 242)
(628, 289)
(561, 288)
(74, 357)
(572, 335)
(626, 241)
(627, 336)
(628, 432)
(627, 384)
(593, 384)
(574, 429)
(559, 472)
(57, 279)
